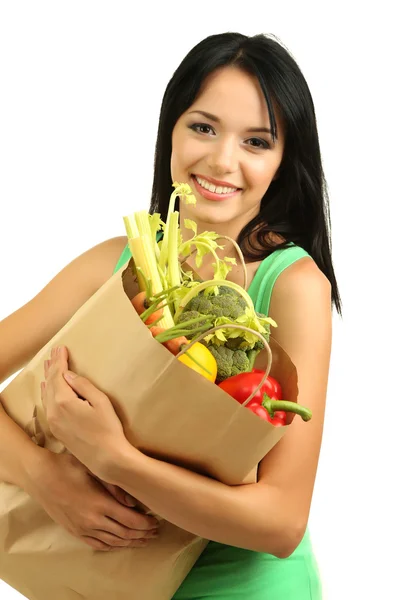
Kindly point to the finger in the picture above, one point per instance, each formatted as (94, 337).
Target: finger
(54, 369)
(58, 362)
(58, 400)
(110, 539)
(55, 393)
(62, 353)
(118, 542)
(131, 518)
(95, 543)
(120, 495)
(84, 388)
(101, 546)
(124, 533)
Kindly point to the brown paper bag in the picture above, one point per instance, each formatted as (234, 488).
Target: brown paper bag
(168, 411)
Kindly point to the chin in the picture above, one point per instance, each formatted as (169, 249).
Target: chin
(211, 215)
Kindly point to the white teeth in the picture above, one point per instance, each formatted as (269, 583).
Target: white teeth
(212, 188)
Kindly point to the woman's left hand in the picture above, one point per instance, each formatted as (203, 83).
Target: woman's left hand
(79, 414)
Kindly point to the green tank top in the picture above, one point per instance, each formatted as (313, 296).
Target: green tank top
(228, 573)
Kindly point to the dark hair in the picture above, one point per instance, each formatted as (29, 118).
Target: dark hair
(295, 206)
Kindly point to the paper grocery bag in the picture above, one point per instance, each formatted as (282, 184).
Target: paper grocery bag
(168, 411)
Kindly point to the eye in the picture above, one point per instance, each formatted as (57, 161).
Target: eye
(258, 143)
(202, 128)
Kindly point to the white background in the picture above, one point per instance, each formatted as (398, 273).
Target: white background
(81, 87)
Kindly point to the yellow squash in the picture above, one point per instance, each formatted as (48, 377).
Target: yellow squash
(200, 359)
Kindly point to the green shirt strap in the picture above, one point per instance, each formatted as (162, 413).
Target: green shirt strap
(124, 258)
(260, 289)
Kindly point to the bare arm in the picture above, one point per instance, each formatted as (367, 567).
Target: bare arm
(64, 487)
(28, 329)
(270, 515)
(18, 454)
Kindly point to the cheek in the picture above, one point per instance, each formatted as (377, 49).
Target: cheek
(185, 153)
(260, 174)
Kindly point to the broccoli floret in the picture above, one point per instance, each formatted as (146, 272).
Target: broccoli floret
(193, 314)
(224, 358)
(229, 362)
(228, 303)
(241, 362)
(201, 304)
(225, 290)
(258, 346)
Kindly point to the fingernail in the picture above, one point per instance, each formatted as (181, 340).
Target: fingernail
(69, 375)
(130, 500)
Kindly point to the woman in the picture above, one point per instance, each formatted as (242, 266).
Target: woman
(237, 123)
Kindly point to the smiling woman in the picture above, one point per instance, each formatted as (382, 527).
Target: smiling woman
(224, 144)
(237, 123)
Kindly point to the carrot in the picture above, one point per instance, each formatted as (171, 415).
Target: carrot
(175, 345)
(138, 302)
(155, 316)
(156, 330)
(142, 305)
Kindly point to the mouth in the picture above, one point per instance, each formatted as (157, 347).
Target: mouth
(213, 191)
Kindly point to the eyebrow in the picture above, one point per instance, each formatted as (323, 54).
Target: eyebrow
(217, 120)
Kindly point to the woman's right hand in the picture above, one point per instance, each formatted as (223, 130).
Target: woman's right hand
(88, 510)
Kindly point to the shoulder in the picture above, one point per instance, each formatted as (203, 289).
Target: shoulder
(303, 282)
(30, 327)
(90, 270)
(301, 306)
(102, 258)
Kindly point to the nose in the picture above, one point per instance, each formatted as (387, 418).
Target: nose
(223, 157)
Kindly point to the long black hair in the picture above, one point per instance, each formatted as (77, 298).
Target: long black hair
(295, 206)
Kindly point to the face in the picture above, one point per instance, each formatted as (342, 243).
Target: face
(221, 146)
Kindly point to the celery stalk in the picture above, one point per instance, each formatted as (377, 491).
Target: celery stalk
(184, 190)
(155, 225)
(142, 222)
(142, 250)
(162, 261)
(130, 226)
(164, 252)
(158, 264)
(173, 265)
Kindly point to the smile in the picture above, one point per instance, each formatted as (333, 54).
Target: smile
(217, 189)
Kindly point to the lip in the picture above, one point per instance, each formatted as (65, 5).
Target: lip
(216, 181)
(213, 195)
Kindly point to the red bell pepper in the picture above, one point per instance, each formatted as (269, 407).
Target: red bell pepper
(278, 420)
(275, 386)
(266, 403)
(267, 410)
(242, 386)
